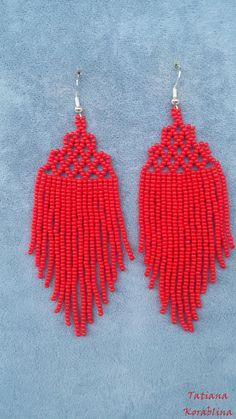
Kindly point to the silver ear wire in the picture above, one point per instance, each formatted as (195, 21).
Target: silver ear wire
(175, 100)
(78, 107)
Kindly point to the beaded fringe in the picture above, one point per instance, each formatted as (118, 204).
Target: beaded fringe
(184, 223)
(78, 233)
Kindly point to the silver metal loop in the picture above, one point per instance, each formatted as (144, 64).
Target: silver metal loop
(78, 107)
(175, 100)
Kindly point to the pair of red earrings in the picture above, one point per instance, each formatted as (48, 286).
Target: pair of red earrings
(78, 230)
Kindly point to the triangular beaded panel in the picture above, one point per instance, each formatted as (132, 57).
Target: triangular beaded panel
(178, 150)
(79, 157)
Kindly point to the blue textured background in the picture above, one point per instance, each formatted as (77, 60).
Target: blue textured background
(133, 363)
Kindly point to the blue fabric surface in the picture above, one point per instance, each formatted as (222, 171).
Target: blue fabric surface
(133, 364)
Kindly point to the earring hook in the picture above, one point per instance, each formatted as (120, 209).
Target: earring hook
(175, 100)
(78, 107)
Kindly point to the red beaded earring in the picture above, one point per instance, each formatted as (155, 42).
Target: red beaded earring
(78, 230)
(184, 218)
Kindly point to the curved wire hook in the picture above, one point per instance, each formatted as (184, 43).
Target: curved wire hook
(175, 100)
(78, 108)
